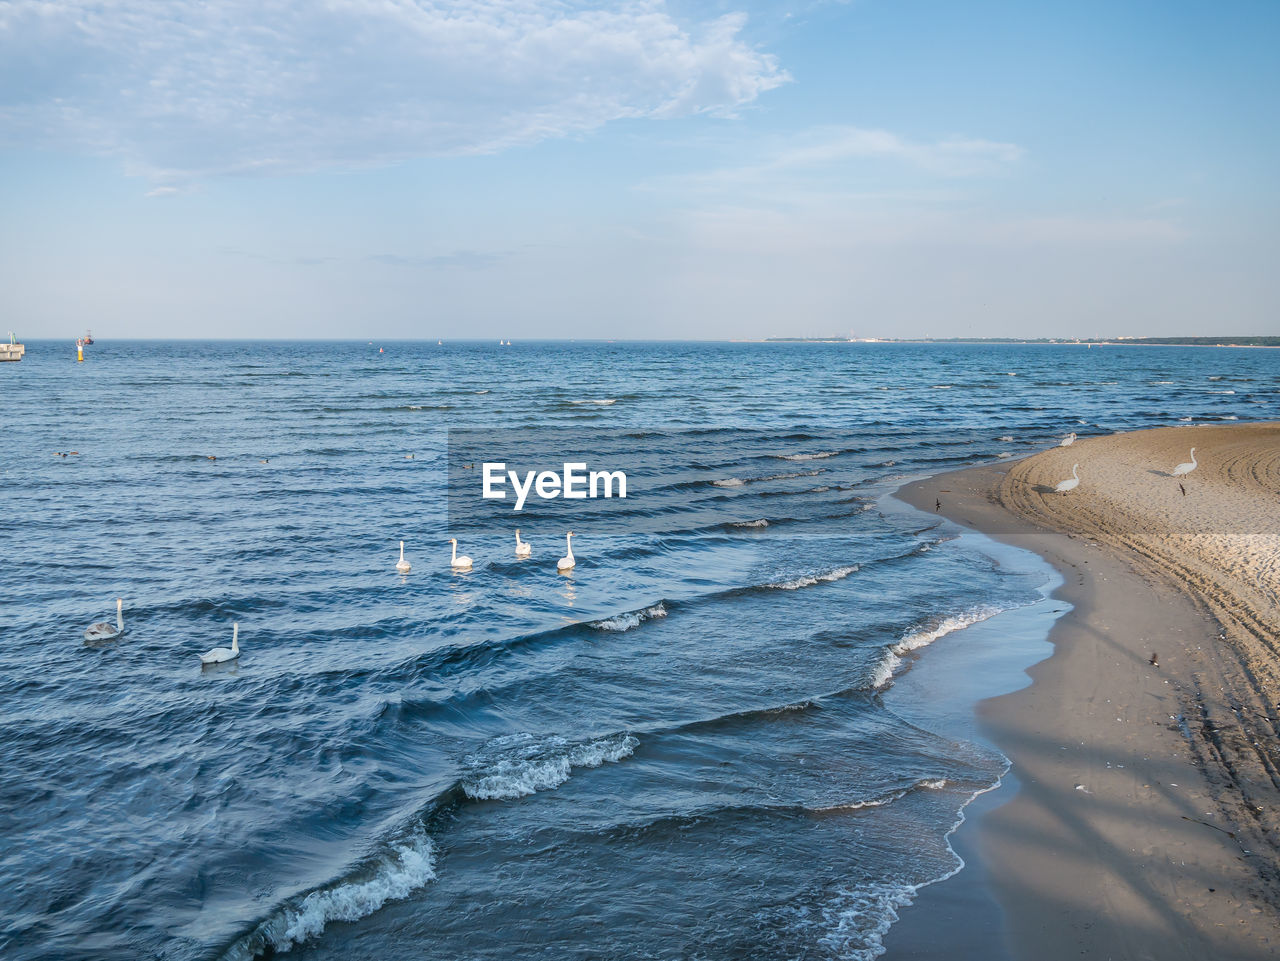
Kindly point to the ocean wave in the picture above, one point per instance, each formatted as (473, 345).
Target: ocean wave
(760, 522)
(631, 619)
(923, 636)
(818, 455)
(407, 865)
(600, 402)
(1221, 392)
(927, 784)
(517, 765)
(808, 580)
(739, 481)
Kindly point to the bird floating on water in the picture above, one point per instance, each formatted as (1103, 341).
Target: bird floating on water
(105, 630)
(220, 654)
(1071, 483)
(523, 548)
(459, 563)
(1183, 469)
(402, 565)
(567, 562)
(1068, 440)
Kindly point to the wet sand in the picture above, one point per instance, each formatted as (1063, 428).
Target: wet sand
(1143, 817)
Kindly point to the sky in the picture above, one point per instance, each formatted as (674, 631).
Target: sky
(673, 170)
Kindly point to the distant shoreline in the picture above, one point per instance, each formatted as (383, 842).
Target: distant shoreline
(1266, 342)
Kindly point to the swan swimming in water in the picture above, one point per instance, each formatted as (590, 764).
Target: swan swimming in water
(1071, 483)
(567, 562)
(459, 563)
(1068, 440)
(220, 654)
(523, 548)
(402, 565)
(1184, 469)
(105, 630)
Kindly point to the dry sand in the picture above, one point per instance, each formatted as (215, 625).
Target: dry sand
(1146, 821)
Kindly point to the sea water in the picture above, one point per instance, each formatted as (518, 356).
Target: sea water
(688, 748)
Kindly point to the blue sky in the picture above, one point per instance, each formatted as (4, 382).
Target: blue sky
(685, 169)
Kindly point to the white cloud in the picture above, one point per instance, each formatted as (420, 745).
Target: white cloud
(840, 161)
(181, 90)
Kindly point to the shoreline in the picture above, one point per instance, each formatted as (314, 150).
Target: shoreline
(1132, 824)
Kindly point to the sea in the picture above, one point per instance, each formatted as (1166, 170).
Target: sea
(699, 743)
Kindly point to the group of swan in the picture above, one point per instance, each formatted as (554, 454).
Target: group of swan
(1072, 482)
(106, 631)
(463, 562)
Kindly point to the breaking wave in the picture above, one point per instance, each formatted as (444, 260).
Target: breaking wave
(517, 765)
(625, 622)
(923, 636)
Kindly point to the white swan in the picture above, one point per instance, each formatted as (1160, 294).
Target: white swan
(220, 654)
(1068, 440)
(523, 548)
(1071, 483)
(567, 562)
(402, 565)
(1183, 469)
(105, 630)
(458, 563)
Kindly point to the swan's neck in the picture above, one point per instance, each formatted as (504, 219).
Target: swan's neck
(1073, 471)
(1193, 455)
(120, 615)
(455, 550)
(569, 546)
(402, 550)
(235, 639)
(518, 539)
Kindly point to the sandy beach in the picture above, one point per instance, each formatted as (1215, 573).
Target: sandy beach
(1143, 814)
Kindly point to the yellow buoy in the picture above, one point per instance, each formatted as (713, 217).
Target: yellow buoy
(79, 351)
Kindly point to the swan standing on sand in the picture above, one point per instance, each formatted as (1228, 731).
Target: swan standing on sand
(402, 565)
(1071, 483)
(458, 563)
(220, 654)
(1184, 469)
(523, 548)
(1068, 440)
(105, 630)
(567, 562)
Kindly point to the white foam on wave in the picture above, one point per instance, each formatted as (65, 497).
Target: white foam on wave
(407, 866)
(818, 455)
(920, 637)
(600, 402)
(738, 481)
(859, 918)
(759, 522)
(943, 386)
(631, 619)
(517, 765)
(1222, 391)
(808, 580)
(929, 784)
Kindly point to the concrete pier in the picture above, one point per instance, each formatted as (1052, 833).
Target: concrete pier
(11, 350)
